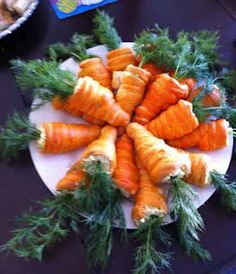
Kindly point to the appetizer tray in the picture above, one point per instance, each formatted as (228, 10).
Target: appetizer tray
(51, 168)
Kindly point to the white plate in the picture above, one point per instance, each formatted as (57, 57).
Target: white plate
(51, 168)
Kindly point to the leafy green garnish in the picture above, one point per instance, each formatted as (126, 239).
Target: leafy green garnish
(45, 78)
(41, 229)
(17, 135)
(104, 30)
(226, 189)
(146, 258)
(155, 46)
(190, 55)
(75, 48)
(102, 201)
(206, 43)
(188, 220)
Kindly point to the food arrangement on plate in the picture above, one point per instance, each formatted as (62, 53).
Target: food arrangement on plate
(144, 106)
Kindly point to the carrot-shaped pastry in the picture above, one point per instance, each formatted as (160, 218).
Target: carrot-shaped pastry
(102, 199)
(153, 70)
(190, 82)
(132, 87)
(84, 95)
(73, 178)
(95, 68)
(117, 58)
(51, 137)
(201, 165)
(95, 100)
(90, 119)
(207, 136)
(160, 160)
(150, 206)
(126, 174)
(59, 105)
(175, 122)
(162, 93)
(102, 150)
(210, 98)
(149, 200)
(204, 173)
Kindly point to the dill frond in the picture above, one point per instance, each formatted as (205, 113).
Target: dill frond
(45, 78)
(16, 135)
(104, 30)
(102, 201)
(188, 220)
(226, 189)
(39, 230)
(76, 48)
(146, 258)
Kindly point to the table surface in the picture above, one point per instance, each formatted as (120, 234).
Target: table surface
(20, 184)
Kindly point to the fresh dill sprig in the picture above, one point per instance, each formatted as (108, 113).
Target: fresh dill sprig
(76, 48)
(155, 46)
(102, 201)
(226, 189)
(189, 55)
(41, 229)
(45, 78)
(222, 111)
(146, 258)
(206, 43)
(229, 79)
(16, 135)
(189, 221)
(104, 30)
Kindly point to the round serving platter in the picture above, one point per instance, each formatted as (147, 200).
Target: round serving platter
(51, 168)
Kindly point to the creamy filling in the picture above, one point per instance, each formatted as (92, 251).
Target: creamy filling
(41, 142)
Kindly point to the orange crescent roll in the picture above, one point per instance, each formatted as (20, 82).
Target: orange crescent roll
(119, 59)
(93, 99)
(214, 98)
(201, 165)
(103, 149)
(131, 90)
(72, 179)
(57, 137)
(175, 122)
(58, 104)
(95, 68)
(149, 200)
(160, 160)
(126, 173)
(162, 93)
(208, 136)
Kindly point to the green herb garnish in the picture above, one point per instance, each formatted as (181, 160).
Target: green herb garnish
(146, 258)
(76, 48)
(45, 78)
(189, 55)
(188, 220)
(17, 135)
(226, 189)
(104, 30)
(102, 201)
(41, 229)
